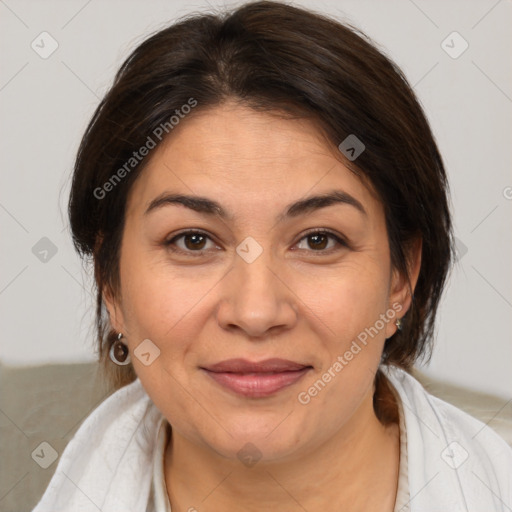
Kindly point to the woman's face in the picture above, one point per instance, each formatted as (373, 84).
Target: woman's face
(255, 284)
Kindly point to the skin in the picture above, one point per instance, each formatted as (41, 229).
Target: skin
(295, 301)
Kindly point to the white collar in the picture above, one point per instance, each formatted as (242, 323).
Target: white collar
(107, 466)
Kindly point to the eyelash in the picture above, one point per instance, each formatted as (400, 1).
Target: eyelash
(169, 243)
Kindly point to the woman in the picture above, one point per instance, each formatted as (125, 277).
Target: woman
(267, 214)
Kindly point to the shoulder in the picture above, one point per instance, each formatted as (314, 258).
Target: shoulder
(109, 458)
(442, 414)
(459, 458)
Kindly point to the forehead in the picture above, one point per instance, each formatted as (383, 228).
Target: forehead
(246, 159)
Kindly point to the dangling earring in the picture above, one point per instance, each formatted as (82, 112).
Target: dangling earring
(398, 324)
(119, 353)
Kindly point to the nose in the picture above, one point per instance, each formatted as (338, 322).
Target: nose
(256, 299)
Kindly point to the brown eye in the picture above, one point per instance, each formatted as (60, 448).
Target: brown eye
(321, 241)
(195, 241)
(318, 241)
(189, 242)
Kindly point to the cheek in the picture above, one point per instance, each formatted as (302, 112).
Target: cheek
(169, 306)
(169, 309)
(154, 296)
(350, 299)
(352, 335)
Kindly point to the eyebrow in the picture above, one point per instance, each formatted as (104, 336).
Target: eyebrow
(301, 207)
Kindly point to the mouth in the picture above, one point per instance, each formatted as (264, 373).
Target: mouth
(256, 379)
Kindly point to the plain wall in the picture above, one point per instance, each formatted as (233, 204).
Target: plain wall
(45, 104)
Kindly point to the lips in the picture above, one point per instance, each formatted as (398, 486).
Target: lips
(245, 366)
(256, 379)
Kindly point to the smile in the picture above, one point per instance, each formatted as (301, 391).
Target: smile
(256, 380)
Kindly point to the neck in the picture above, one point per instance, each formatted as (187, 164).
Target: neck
(357, 469)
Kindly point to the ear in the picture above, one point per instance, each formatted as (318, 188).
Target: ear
(402, 289)
(108, 296)
(114, 310)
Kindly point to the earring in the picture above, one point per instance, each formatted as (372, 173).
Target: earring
(398, 324)
(119, 353)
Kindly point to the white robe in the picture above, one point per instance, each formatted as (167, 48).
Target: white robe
(455, 462)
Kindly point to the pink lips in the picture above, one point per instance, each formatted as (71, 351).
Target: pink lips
(256, 379)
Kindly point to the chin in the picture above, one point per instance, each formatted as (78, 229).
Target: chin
(255, 440)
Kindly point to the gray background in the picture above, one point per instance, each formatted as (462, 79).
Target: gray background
(47, 307)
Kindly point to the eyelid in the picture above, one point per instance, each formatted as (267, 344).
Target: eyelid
(341, 240)
(170, 241)
(322, 231)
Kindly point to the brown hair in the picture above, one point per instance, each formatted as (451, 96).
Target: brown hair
(282, 59)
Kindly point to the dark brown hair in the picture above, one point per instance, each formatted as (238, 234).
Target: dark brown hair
(286, 60)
